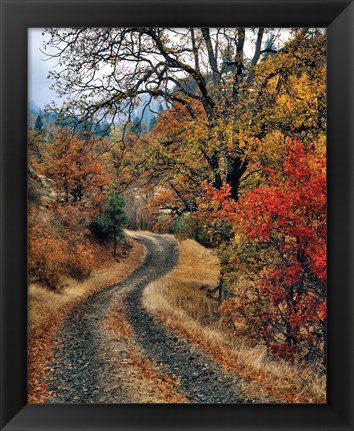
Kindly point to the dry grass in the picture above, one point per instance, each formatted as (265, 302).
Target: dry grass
(47, 308)
(136, 375)
(180, 301)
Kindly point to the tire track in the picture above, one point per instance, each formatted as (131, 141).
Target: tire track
(82, 371)
(201, 379)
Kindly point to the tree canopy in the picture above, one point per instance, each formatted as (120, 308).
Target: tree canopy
(233, 151)
(203, 72)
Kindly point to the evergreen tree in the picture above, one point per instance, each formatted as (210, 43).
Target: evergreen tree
(136, 126)
(38, 125)
(112, 219)
(152, 123)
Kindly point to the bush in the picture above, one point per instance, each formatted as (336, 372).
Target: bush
(47, 257)
(81, 261)
(51, 257)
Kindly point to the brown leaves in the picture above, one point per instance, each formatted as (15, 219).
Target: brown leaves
(40, 345)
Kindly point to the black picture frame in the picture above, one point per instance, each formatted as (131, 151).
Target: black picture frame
(19, 15)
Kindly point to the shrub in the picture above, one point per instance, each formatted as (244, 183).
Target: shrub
(276, 262)
(47, 257)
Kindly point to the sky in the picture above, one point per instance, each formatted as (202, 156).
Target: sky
(39, 66)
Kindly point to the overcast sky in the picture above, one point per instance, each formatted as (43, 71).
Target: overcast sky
(39, 66)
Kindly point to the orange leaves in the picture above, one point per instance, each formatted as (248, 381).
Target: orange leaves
(288, 99)
(58, 243)
(47, 256)
(72, 165)
(218, 195)
(58, 247)
(81, 260)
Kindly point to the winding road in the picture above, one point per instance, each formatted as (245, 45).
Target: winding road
(85, 367)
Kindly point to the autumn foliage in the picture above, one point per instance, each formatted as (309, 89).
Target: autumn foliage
(71, 183)
(74, 168)
(47, 257)
(279, 242)
(59, 248)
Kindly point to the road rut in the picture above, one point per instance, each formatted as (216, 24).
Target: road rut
(81, 359)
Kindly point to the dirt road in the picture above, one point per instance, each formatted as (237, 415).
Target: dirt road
(90, 368)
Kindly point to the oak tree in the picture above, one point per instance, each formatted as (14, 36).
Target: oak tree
(106, 70)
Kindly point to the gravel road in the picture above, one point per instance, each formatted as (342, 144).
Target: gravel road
(78, 372)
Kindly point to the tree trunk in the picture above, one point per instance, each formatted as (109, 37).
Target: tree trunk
(236, 168)
(115, 245)
(222, 291)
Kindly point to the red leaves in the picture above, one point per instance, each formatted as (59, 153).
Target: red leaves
(283, 226)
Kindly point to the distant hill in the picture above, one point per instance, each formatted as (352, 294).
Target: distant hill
(34, 110)
(146, 110)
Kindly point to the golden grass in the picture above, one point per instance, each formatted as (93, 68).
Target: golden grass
(180, 301)
(47, 308)
(44, 302)
(142, 382)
